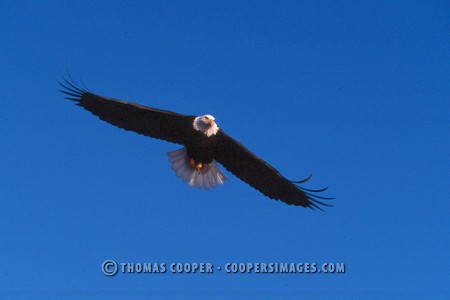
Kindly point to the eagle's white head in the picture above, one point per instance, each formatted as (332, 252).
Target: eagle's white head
(206, 124)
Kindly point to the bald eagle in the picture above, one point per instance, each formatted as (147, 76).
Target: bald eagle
(205, 145)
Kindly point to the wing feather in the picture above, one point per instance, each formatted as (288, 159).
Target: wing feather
(253, 170)
(155, 123)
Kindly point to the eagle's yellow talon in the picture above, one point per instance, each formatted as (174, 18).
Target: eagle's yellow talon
(196, 165)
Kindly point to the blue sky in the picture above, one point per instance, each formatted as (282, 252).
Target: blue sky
(356, 93)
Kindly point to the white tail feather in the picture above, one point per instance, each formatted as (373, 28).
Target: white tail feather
(209, 176)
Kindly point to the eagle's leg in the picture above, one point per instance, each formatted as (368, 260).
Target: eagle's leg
(196, 165)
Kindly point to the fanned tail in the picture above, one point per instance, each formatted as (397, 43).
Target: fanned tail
(208, 177)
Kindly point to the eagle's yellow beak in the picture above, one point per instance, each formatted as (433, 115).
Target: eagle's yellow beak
(211, 122)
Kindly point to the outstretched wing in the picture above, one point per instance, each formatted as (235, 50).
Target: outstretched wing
(260, 175)
(155, 123)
